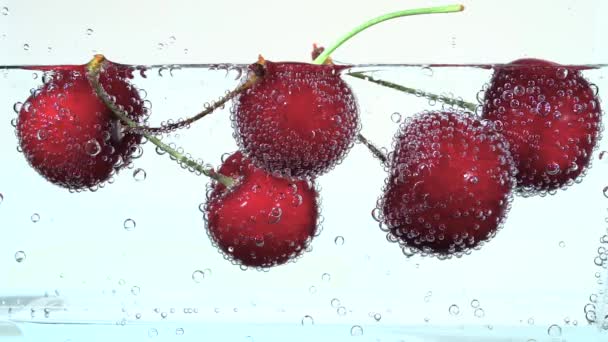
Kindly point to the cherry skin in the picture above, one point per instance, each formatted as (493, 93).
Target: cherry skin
(449, 186)
(263, 220)
(551, 117)
(69, 136)
(298, 121)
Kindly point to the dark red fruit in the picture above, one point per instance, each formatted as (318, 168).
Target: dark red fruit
(550, 116)
(263, 220)
(449, 187)
(299, 121)
(69, 136)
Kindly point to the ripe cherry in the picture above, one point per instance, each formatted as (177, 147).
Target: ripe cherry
(69, 136)
(262, 221)
(298, 121)
(449, 187)
(551, 117)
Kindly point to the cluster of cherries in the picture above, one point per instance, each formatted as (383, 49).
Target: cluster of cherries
(451, 174)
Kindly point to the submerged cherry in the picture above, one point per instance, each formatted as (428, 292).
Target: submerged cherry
(69, 136)
(551, 117)
(449, 187)
(299, 120)
(261, 221)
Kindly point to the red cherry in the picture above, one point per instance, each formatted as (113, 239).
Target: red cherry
(263, 220)
(299, 121)
(449, 187)
(69, 136)
(550, 115)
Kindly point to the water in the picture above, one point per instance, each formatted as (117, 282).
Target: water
(133, 261)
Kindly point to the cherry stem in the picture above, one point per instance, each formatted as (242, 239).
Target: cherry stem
(443, 99)
(215, 105)
(93, 69)
(429, 10)
(372, 148)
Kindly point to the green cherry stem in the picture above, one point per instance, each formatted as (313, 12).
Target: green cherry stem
(443, 99)
(372, 148)
(93, 69)
(417, 11)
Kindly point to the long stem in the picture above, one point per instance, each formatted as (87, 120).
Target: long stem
(373, 149)
(444, 99)
(208, 110)
(429, 10)
(93, 69)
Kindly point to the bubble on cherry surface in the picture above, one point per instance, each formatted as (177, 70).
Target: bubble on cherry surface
(356, 330)
(92, 147)
(35, 217)
(307, 320)
(129, 224)
(20, 256)
(139, 175)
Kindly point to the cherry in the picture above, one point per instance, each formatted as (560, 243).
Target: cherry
(449, 186)
(550, 115)
(298, 121)
(262, 220)
(69, 136)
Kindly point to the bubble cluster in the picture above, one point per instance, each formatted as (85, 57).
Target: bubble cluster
(550, 116)
(449, 187)
(248, 223)
(299, 121)
(69, 136)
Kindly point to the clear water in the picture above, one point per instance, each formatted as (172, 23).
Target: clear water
(132, 261)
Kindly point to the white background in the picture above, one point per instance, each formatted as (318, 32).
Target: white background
(80, 248)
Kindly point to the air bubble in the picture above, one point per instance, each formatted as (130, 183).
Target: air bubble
(474, 303)
(129, 224)
(335, 303)
(554, 330)
(605, 191)
(356, 330)
(275, 215)
(139, 175)
(341, 311)
(179, 331)
(307, 320)
(326, 277)
(339, 240)
(26, 47)
(454, 310)
(135, 290)
(552, 168)
(1, 198)
(20, 256)
(427, 71)
(377, 317)
(89, 32)
(561, 73)
(17, 107)
(4, 11)
(479, 313)
(396, 117)
(198, 276)
(92, 147)
(35, 217)
(562, 244)
(152, 333)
